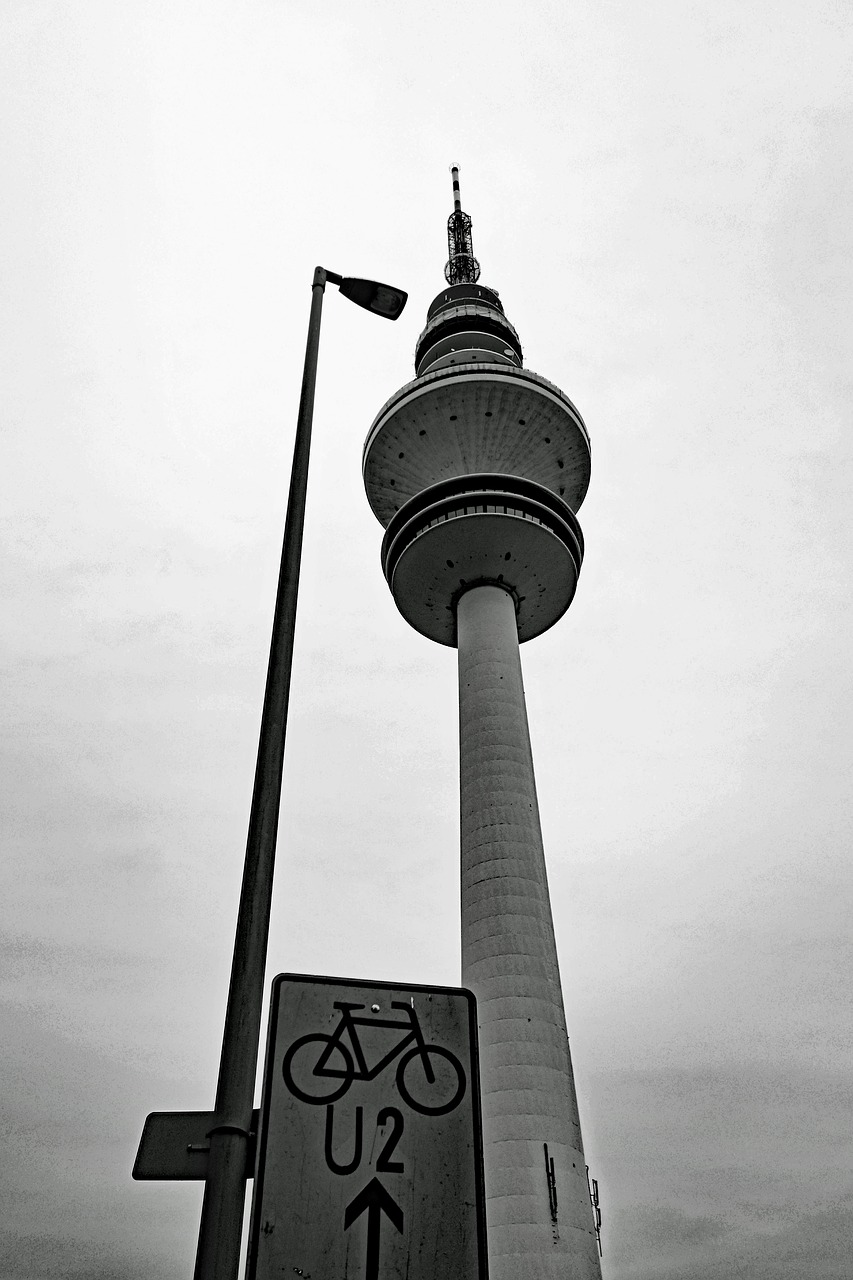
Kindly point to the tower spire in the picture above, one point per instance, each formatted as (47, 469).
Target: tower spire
(457, 201)
(462, 267)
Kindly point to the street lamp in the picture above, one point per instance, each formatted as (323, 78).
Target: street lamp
(219, 1235)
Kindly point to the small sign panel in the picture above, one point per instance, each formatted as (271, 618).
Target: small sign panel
(370, 1161)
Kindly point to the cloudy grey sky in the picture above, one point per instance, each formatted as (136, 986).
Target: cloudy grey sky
(662, 195)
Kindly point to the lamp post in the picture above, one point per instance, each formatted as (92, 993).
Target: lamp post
(220, 1230)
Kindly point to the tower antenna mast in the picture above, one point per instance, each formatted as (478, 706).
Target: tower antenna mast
(462, 267)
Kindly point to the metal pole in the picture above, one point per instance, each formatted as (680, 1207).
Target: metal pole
(220, 1232)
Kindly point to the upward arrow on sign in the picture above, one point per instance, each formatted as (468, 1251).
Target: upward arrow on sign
(376, 1200)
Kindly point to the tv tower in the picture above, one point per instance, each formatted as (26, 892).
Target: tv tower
(476, 470)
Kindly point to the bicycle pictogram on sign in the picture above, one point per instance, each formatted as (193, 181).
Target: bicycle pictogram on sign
(320, 1068)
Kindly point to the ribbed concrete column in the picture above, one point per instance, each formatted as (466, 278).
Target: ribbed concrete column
(540, 1226)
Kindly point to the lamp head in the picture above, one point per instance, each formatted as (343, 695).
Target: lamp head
(382, 299)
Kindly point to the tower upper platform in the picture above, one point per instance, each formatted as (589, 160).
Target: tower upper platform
(474, 416)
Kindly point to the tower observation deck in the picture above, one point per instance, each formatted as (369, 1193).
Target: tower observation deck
(476, 470)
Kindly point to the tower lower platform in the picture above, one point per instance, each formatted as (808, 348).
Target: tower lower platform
(473, 529)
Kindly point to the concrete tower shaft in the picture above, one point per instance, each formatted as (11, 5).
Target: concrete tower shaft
(476, 470)
(538, 1210)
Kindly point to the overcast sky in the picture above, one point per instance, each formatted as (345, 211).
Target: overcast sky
(661, 192)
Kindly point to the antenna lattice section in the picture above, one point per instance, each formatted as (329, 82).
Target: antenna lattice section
(462, 266)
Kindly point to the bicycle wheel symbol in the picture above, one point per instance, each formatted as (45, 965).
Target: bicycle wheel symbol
(436, 1096)
(318, 1069)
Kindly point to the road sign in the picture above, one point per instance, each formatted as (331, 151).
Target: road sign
(175, 1146)
(370, 1161)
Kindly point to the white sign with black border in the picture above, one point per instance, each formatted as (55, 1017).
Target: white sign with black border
(369, 1161)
